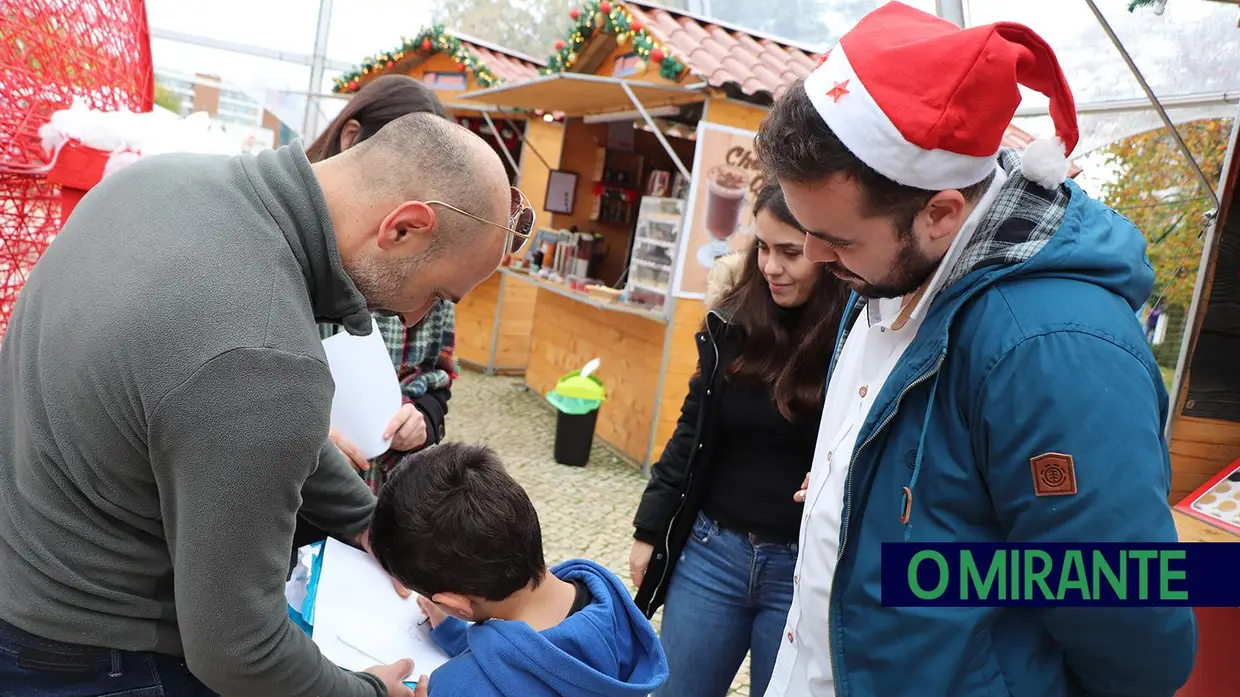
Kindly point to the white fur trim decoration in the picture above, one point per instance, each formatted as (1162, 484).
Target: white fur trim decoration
(1044, 162)
(866, 130)
(128, 136)
(723, 277)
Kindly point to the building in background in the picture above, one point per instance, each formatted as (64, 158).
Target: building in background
(227, 105)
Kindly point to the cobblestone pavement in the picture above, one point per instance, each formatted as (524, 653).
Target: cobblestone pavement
(585, 512)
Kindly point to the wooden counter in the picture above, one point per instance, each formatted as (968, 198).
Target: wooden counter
(561, 289)
(644, 362)
(493, 326)
(1193, 530)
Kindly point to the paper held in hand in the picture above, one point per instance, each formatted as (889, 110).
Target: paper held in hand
(367, 389)
(360, 621)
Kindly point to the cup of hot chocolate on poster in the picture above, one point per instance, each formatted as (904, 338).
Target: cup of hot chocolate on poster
(727, 188)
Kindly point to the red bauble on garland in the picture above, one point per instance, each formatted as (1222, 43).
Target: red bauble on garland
(426, 44)
(657, 55)
(574, 13)
(390, 65)
(604, 7)
(559, 45)
(635, 25)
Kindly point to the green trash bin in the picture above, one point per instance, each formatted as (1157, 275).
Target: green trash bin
(576, 399)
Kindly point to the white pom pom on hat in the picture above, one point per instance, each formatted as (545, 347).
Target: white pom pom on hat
(1045, 163)
(926, 103)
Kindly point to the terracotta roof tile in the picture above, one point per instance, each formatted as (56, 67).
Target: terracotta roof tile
(508, 66)
(710, 48)
(749, 43)
(505, 67)
(704, 62)
(736, 60)
(738, 52)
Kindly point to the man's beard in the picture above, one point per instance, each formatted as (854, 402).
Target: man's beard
(912, 269)
(382, 285)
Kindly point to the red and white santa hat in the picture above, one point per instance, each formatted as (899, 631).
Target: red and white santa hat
(926, 103)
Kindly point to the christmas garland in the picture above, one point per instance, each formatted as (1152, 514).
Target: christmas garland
(1156, 4)
(432, 40)
(615, 19)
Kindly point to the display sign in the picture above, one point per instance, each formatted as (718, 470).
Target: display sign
(726, 178)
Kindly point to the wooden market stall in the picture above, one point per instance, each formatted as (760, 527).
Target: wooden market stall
(455, 64)
(1204, 431)
(655, 180)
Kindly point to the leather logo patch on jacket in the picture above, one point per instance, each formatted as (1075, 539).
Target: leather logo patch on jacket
(1054, 474)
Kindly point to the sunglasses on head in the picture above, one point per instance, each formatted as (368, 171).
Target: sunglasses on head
(520, 220)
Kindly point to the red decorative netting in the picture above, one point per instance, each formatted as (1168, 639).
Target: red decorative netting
(51, 52)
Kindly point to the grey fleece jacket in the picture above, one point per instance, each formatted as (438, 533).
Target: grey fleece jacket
(165, 410)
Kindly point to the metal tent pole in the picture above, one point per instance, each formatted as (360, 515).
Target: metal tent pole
(951, 10)
(525, 143)
(1162, 113)
(247, 49)
(310, 126)
(1138, 104)
(658, 133)
(516, 169)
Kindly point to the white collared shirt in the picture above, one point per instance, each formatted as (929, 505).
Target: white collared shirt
(871, 351)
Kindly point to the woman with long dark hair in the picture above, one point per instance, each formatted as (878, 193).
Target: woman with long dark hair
(716, 531)
(423, 353)
(381, 101)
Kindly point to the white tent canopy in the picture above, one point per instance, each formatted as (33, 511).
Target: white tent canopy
(1189, 50)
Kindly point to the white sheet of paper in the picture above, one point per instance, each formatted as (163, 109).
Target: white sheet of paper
(360, 621)
(367, 388)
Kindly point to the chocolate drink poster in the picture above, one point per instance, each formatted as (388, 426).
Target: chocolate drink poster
(726, 177)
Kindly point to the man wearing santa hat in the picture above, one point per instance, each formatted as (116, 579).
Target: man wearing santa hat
(991, 382)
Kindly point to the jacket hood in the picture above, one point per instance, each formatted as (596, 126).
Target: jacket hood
(606, 649)
(1031, 231)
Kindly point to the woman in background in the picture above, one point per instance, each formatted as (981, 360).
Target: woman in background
(422, 354)
(717, 529)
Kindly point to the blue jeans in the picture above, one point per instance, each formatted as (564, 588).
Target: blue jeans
(34, 667)
(729, 594)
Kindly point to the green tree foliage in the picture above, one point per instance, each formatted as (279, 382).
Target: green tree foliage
(527, 26)
(1158, 191)
(167, 99)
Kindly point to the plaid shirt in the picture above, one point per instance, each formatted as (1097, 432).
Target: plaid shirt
(425, 362)
(423, 354)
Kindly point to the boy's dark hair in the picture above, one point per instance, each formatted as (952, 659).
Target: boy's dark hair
(795, 144)
(450, 519)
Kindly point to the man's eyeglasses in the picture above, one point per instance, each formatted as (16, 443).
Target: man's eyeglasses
(520, 220)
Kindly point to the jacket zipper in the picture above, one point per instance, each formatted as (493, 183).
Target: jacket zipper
(835, 682)
(667, 539)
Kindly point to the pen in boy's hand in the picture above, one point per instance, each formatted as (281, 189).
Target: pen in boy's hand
(422, 622)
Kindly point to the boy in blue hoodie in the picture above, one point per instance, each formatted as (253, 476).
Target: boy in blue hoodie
(453, 526)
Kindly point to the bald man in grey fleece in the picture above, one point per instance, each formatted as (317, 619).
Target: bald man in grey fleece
(166, 399)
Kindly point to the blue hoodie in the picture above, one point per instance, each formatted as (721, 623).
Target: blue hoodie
(1032, 347)
(606, 649)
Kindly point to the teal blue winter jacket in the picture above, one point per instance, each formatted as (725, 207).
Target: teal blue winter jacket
(1032, 347)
